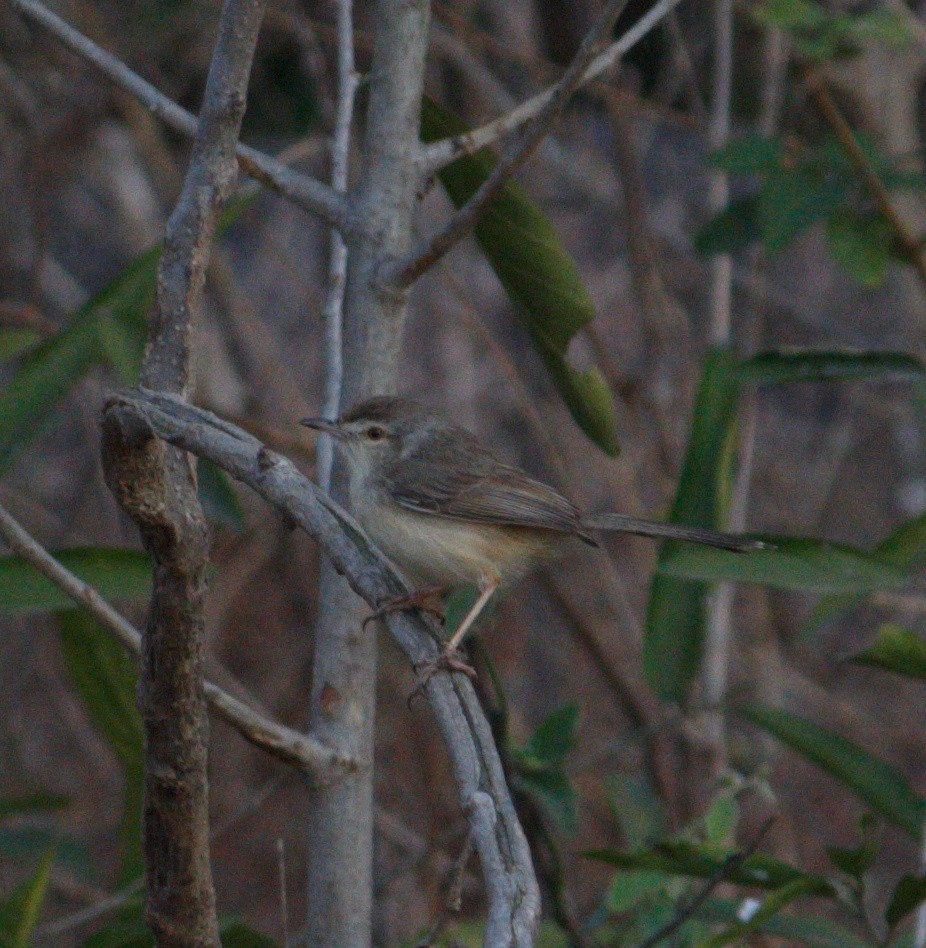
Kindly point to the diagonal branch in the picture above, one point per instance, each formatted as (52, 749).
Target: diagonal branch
(302, 190)
(511, 888)
(403, 273)
(310, 756)
(439, 154)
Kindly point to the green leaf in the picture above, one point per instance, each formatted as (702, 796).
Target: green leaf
(860, 244)
(32, 803)
(791, 200)
(703, 862)
(555, 736)
(816, 931)
(857, 860)
(218, 497)
(20, 912)
(769, 908)
(909, 894)
(16, 339)
(674, 615)
(896, 649)
(115, 573)
(787, 563)
(814, 365)
(111, 328)
(538, 275)
(628, 888)
(879, 784)
(790, 14)
(551, 788)
(239, 935)
(732, 229)
(882, 26)
(904, 548)
(104, 676)
(749, 154)
(636, 808)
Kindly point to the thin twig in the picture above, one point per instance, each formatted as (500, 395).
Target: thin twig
(293, 748)
(404, 272)
(907, 242)
(284, 910)
(333, 314)
(446, 151)
(718, 625)
(499, 840)
(302, 190)
(454, 898)
(726, 869)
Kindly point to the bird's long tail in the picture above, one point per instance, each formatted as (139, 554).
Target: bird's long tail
(621, 523)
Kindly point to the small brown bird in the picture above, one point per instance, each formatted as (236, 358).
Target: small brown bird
(449, 513)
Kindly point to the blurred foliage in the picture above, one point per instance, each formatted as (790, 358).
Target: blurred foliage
(537, 273)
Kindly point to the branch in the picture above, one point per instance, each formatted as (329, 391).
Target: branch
(439, 154)
(403, 273)
(304, 191)
(310, 756)
(724, 871)
(514, 902)
(156, 486)
(909, 246)
(333, 313)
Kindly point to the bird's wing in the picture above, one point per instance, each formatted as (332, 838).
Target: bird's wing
(454, 476)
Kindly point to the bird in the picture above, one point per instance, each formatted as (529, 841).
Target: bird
(449, 513)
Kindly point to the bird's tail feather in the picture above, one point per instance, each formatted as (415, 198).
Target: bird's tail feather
(621, 523)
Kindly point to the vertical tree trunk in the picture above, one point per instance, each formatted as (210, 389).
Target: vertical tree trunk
(340, 827)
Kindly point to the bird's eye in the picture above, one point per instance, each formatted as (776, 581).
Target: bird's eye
(375, 433)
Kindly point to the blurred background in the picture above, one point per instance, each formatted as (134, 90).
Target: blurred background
(87, 179)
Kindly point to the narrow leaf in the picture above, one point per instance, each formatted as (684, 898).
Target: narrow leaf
(769, 908)
(115, 573)
(791, 200)
(908, 895)
(748, 154)
(860, 244)
(703, 862)
(905, 548)
(788, 563)
(732, 229)
(816, 931)
(555, 735)
(879, 784)
(20, 912)
(810, 365)
(898, 650)
(16, 339)
(32, 803)
(537, 273)
(674, 615)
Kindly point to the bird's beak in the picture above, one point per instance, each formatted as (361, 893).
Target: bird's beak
(322, 424)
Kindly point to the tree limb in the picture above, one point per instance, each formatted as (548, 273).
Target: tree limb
(439, 154)
(302, 190)
(513, 897)
(156, 486)
(403, 273)
(308, 755)
(333, 314)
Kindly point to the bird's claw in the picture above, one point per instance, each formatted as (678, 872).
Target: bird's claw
(426, 600)
(449, 660)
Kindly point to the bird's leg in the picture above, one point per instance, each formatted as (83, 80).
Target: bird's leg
(428, 599)
(449, 657)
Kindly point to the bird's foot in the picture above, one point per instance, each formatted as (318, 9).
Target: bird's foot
(449, 660)
(429, 600)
